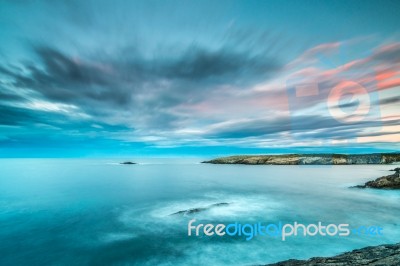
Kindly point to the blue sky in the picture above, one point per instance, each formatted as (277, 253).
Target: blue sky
(198, 78)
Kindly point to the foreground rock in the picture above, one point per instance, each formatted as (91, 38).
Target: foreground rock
(197, 210)
(310, 159)
(385, 182)
(128, 163)
(388, 255)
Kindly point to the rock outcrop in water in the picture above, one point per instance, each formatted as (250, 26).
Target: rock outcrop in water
(197, 210)
(128, 163)
(385, 182)
(384, 255)
(310, 159)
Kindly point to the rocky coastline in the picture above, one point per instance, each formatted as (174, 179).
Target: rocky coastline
(388, 255)
(309, 159)
(385, 182)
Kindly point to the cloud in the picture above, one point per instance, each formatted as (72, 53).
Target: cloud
(312, 55)
(144, 94)
(306, 125)
(224, 95)
(391, 100)
(387, 53)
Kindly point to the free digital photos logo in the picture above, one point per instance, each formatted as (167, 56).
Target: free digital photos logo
(337, 94)
(280, 229)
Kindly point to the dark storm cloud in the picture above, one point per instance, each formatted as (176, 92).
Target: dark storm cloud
(55, 122)
(62, 78)
(136, 93)
(200, 65)
(142, 87)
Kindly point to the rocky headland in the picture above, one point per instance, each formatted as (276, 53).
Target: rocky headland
(310, 159)
(385, 182)
(388, 255)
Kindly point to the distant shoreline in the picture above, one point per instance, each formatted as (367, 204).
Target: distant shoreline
(309, 159)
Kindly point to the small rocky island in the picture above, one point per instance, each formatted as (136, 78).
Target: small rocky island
(199, 209)
(310, 159)
(127, 163)
(385, 182)
(388, 255)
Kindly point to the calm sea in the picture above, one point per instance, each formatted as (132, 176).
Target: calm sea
(95, 211)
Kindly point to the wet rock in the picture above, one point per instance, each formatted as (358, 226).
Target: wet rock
(197, 210)
(396, 170)
(388, 255)
(128, 163)
(385, 182)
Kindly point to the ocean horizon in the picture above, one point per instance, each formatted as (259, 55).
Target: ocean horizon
(114, 115)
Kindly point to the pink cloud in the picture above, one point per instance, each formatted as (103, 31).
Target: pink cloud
(388, 48)
(310, 55)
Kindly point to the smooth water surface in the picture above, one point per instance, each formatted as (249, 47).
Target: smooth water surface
(96, 211)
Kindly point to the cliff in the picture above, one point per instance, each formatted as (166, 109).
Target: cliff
(310, 159)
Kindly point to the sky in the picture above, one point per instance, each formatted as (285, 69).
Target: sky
(198, 78)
